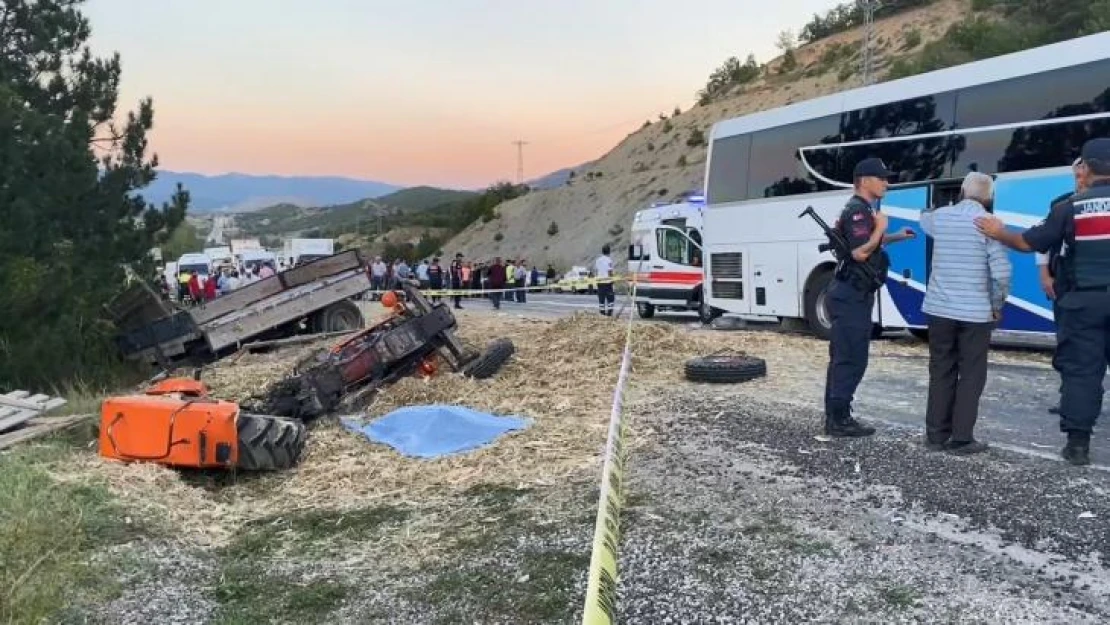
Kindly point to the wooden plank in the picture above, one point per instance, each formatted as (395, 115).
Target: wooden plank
(7, 411)
(289, 306)
(18, 418)
(40, 426)
(16, 399)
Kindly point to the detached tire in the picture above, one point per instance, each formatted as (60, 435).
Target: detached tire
(486, 365)
(725, 368)
(269, 443)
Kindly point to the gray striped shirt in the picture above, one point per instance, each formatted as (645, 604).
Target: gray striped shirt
(970, 276)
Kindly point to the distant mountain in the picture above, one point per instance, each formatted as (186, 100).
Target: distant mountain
(556, 179)
(243, 192)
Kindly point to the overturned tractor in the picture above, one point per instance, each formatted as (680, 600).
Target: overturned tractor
(409, 341)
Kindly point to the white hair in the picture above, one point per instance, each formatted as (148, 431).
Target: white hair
(978, 186)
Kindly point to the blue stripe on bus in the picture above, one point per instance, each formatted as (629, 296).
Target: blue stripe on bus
(1028, 196)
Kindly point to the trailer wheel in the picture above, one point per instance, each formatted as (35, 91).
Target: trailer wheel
(496, 354)
(816, 303)
(339, 317)
(645, 310)
(725, 368)
(269, 443)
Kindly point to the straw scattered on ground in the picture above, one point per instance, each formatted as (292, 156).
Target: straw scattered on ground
(562, 377)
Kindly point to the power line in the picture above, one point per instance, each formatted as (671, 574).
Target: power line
(520, 160)
(867, 58)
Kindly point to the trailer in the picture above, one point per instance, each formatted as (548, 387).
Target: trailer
(314, 297)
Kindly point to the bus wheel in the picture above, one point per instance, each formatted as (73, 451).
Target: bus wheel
(817, 308)
(645, 310)
(707, 313)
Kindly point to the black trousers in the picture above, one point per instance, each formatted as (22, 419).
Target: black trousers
(849, 343)
(605, 298)
(957, 374)
(1082, 355)
(520, 292)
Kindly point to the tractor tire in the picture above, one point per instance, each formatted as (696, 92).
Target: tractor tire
(269, 443)
(645, 310)
(725, 368)
(486, 365)
(341, 316)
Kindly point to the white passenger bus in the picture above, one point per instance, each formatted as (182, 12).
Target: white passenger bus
(665, 257)
(1021, 117)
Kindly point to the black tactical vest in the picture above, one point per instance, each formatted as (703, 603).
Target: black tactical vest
(848, 269)
(1087, 241)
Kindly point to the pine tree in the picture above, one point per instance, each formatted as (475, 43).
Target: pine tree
(71, 217)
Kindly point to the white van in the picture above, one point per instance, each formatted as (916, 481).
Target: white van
(195, 263)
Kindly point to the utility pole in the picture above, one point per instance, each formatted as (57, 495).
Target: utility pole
(867, 57)
(520, 160)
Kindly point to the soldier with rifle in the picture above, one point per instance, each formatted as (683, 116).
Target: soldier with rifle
(856, 239)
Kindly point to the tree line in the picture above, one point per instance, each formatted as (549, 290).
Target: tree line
(72, 216)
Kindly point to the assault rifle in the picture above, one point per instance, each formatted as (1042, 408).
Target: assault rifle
(840, 249)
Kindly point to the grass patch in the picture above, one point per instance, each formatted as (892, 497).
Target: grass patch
(51, 530)
(250, 591)
(248, 594)
(310, 531)
(899, 597)
(542, 590)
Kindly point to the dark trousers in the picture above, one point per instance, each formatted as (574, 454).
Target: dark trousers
(1082, 355)
(957, 374)
(849, 343)
(496, 299)
(520, 293)
(605, 298)
(456, 286)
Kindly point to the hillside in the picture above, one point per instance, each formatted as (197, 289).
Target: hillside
(568, 225)
(423, 198)
(243, 192)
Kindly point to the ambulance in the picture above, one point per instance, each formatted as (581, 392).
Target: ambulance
(665, 258)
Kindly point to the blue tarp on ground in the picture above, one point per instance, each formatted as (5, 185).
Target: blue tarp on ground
(433, 431)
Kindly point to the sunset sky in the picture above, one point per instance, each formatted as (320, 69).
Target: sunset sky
(420, 91)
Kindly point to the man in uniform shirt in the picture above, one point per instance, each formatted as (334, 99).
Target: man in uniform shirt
(1047, 263)
(851, 296)
(603, 271)
(1081, 227)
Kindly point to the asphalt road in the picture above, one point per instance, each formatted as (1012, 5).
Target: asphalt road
(1013, 408)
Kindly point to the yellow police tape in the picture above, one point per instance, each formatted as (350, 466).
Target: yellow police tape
(577, 284)
(601, 589)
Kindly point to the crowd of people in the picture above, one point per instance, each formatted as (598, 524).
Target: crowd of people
(194, 288)
(512, 276)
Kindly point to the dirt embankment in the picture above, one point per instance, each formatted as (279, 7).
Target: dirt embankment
(658, 162)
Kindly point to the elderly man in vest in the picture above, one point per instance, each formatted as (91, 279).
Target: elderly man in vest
(968, 285)
(1081, 225)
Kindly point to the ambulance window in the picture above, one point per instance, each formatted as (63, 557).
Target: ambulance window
(695, 253)
(673, 246)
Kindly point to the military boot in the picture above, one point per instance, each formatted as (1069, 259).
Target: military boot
(840, 424)
(1078, 449)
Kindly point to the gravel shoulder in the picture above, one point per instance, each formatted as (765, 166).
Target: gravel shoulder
(740, 510)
